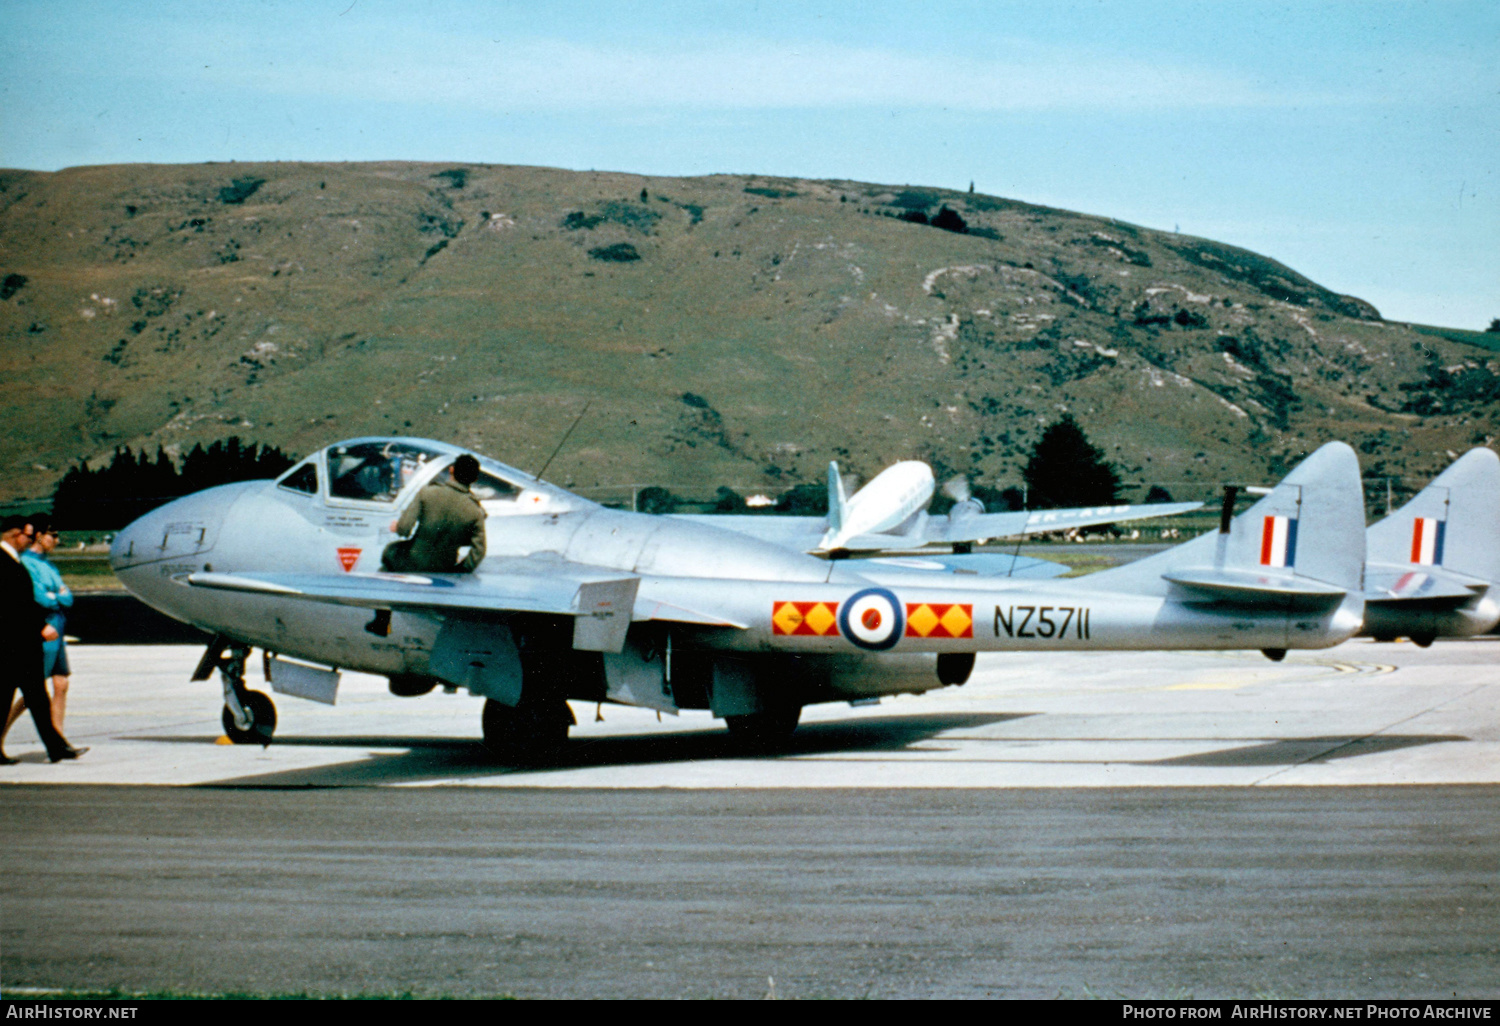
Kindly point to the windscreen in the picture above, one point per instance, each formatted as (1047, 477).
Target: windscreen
(491, 487)
(374, 471)
(303, 478)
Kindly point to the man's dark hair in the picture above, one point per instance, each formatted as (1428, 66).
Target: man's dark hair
(466, 469)
(15, 521)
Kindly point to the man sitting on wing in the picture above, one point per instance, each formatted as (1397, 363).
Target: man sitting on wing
(446, 517)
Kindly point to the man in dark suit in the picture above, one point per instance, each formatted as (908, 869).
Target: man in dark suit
(23, 628)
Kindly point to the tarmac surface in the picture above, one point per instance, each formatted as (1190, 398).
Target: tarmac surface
(1123, 825)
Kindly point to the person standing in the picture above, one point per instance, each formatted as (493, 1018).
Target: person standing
(23, 628)
(53, 596)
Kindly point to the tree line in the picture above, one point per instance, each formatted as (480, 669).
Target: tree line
(1064, 469)
(132, 484)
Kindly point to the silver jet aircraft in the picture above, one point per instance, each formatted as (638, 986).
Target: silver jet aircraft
(1434, 564)
(576, 601)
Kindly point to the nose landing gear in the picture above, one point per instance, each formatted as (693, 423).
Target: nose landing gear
(257, 708)
(249, 717)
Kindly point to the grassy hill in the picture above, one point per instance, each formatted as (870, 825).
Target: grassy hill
(727, 329)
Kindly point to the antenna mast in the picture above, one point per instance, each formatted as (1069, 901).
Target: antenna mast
(568, 434)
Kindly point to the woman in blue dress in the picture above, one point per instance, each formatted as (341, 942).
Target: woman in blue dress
(52, 595)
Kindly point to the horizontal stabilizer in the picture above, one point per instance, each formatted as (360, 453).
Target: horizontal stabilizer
(1251, 586)
(1407, 584)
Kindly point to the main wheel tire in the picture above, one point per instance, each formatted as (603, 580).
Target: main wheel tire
(262, 713)
(764, 730)
(526, 734)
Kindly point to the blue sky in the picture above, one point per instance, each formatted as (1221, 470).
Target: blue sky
(1357, 142)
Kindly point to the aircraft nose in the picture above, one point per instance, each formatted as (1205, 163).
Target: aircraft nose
(123, 547)
(182, 529)
(148, 538)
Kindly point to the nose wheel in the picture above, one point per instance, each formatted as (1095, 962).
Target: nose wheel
(260, 711)
(249, 716)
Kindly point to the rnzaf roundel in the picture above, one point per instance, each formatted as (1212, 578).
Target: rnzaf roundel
(939, 620)
(807, 619)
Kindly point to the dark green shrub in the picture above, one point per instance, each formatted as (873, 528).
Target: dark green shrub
(239, 190)
(655, 499)
(948, 220)
(620, 253)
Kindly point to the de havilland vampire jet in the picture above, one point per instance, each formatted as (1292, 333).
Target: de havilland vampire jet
(577, 601)
(1433, 566)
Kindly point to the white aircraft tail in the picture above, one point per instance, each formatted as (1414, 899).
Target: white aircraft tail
(1303, 541)
(1453, 523)
(838, 501)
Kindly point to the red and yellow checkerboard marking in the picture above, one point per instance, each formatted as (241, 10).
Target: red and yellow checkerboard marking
(939, 620)
(812, 619)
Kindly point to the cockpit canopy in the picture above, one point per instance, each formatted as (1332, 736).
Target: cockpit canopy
(374, 471)
(388, 471)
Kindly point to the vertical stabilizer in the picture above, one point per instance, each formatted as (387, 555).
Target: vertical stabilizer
(837, 500)
(1453, 523)
(1309, 527)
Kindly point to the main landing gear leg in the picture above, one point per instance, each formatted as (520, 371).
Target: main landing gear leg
(249, 716)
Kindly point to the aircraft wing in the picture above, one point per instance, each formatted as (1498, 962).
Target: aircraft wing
(602, 601)
(967, 527)
(503, 593)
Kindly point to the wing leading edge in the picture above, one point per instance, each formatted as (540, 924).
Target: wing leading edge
(601, 601)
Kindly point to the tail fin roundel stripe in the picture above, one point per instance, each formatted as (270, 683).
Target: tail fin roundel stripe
(1278, 542)
(1427, 541)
